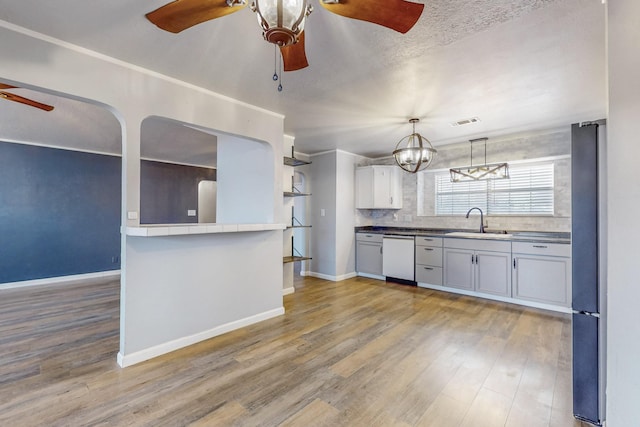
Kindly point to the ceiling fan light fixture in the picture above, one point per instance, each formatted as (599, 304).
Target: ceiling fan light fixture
(414, 152)
(282, 21)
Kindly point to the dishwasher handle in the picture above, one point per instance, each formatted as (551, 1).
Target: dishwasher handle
(397, 237)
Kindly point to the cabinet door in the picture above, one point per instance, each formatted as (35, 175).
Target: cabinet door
(382, 186)
(369, 258)
(458, 268)
(493, 273)
(542, 279)
(395, 187)
(364, 188)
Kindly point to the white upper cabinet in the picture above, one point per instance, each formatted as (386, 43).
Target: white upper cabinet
(378, 187)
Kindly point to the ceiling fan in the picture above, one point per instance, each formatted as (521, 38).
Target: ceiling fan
(282, 21)
(22, 100)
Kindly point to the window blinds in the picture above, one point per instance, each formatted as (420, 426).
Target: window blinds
(528, 191)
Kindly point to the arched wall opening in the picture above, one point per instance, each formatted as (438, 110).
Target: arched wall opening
(175, 157)
(60, 187)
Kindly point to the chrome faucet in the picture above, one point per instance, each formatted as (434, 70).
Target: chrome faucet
(481, 218)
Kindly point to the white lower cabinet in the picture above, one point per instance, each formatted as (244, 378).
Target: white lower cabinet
(482, 266)
(542, 273)
(529, 273)
(369, 254)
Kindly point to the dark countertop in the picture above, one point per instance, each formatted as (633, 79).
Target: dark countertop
(517, 236)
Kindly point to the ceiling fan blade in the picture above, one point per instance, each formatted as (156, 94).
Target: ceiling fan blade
(182, 14)
(294, 56)
(4, 86)
(399, 15)
(30, 102)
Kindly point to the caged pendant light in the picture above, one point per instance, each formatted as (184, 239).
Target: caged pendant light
(282, 21)
(485, 171)
(414, 152)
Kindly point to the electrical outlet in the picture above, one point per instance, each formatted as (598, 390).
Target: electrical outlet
(132, 215)
(115, 259)
(322, 212)
(191, 212)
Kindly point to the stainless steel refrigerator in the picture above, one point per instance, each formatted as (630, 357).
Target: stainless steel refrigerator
(588, 234)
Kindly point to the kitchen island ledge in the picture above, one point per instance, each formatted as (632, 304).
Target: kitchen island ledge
(154, 230)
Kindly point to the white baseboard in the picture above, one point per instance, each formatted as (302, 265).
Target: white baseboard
(332, 278)
(525, 303)
(287, 291)
(60, 279)
(159, 350)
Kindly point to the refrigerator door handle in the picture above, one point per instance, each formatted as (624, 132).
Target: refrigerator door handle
(586, 313)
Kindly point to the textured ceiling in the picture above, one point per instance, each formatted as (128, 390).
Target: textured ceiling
(517, 65)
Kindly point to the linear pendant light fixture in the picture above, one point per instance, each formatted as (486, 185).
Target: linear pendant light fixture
(414, 152)
(485, 171)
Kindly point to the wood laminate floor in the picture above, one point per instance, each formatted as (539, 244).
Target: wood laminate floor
(355, 353)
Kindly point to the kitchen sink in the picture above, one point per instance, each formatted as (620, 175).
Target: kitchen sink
(477, 235)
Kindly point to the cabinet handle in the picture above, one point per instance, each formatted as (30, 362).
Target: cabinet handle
(368, 235)
(381, 249)
(472, 262)
(476, 259)
(428, 240)
(428, 249)
(514, 263)
(391, 199)
(540, 246)
(428, 268)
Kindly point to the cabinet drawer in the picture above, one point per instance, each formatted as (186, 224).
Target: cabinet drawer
(369, 237)
(550, 249)
(429, 256)
(478, 244)
(429, 241)
(430, 275)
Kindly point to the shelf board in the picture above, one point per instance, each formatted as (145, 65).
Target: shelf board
(292, 161)
(294, 259)
(294, 194)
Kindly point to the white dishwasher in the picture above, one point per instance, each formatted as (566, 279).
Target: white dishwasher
(398, 257)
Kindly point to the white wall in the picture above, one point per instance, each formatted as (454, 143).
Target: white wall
(30, 59)
(332, 182)
(623, 387)
(188, 288)
(245, 177)
(322, 184)
(345, 219)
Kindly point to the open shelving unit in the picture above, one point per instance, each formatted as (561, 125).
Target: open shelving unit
(295, 223)
(292, 161)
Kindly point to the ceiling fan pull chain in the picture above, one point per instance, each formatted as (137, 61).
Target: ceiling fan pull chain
(280, 84)
(275, 62)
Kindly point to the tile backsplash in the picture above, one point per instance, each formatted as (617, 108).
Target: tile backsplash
(555, 144)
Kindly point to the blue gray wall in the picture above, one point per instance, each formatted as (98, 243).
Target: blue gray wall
(59, 212)
(168, 191)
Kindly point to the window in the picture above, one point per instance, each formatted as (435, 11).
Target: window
(528, 191)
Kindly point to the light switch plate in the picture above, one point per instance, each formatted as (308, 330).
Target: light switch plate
(191, 212)
(132, 215)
